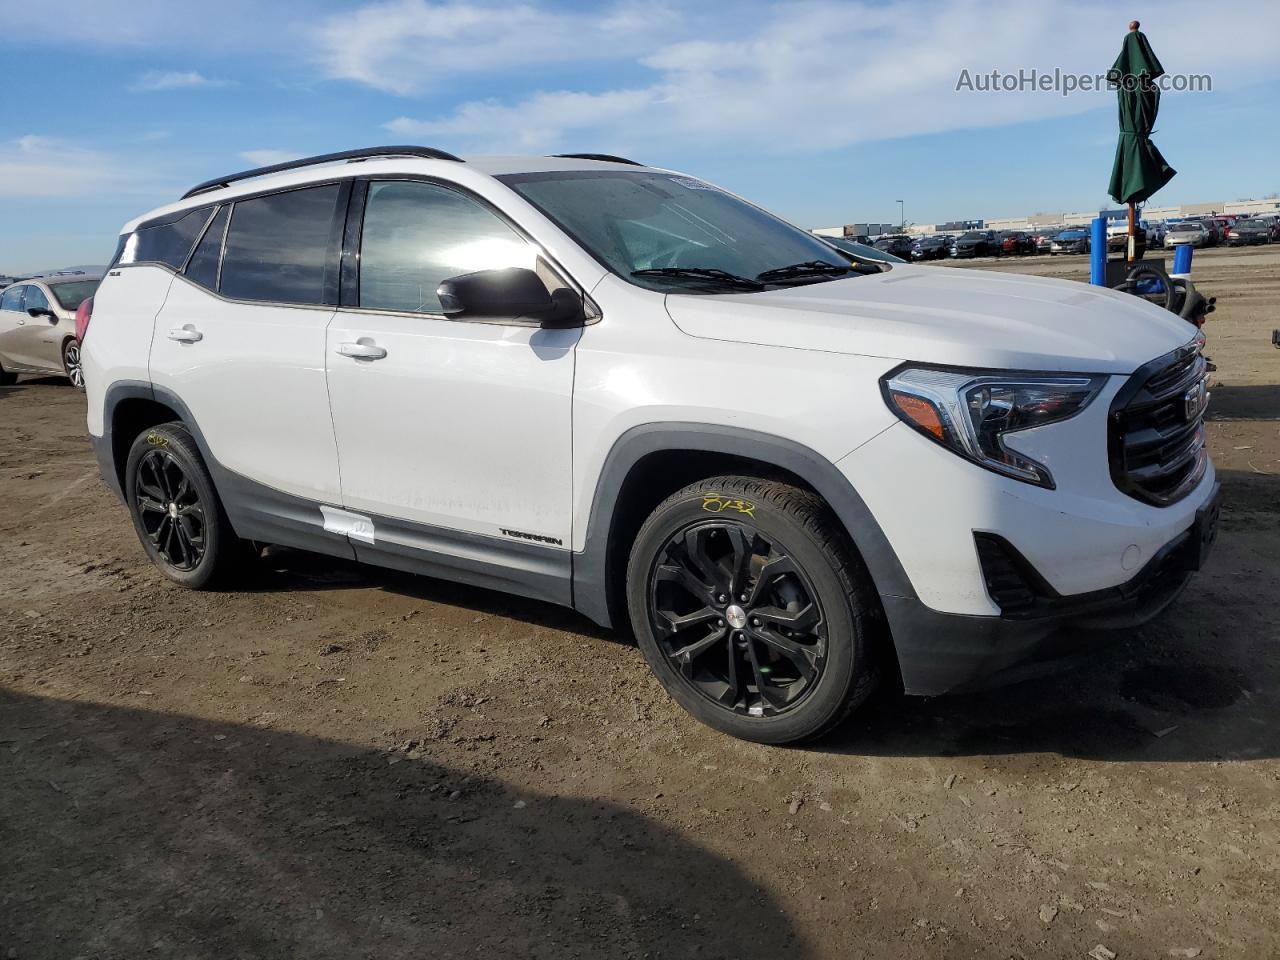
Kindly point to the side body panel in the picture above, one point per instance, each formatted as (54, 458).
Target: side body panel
(118, 344)
(255, 382)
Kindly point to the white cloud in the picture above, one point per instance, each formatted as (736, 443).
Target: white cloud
(408, 46)
(37, 166)
(791, 77)
(173, 80)
(265, 158)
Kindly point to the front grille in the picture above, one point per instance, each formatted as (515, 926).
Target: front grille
(1157, 436)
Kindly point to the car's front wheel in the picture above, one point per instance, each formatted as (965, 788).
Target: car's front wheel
(752, 609)
(7, 379)
(71, 363)
(176, 511)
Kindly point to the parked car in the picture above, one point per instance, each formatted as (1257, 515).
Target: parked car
(1249, 232)
(38, 326)
(976, 243)
(1044, 239)
(1118, 235)
(1187, 231)
(861, 251)
(1070, 241)
(898, 244)
(1016, 243)
(621, 389)
(1213, 230)
(1272, 222)
(936, 247)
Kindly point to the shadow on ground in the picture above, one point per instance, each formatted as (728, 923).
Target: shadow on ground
(1245, 401)
(127, 833)
(1115, 701)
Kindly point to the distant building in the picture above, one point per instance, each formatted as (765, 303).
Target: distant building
(1081, 218)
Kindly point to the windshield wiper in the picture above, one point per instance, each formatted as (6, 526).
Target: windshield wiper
(809, 268)
(701, 273)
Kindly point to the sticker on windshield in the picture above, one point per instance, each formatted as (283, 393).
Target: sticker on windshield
(691, 183)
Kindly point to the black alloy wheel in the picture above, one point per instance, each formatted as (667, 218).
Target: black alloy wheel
(737, 618)
(170, 510)
(753, 609)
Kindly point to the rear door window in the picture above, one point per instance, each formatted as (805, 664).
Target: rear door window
(12, 298)
(279, 246)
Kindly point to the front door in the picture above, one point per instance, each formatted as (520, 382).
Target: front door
(453, 436)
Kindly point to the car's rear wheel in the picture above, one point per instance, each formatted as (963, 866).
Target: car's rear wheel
(71, 363)
(176, 511)
(7, 379)
(752, 609)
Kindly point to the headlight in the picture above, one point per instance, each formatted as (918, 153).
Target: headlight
(971, 411)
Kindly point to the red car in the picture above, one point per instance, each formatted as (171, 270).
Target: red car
(1017, 242)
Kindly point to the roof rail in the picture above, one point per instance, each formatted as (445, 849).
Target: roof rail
(364, 153)
(606, 157)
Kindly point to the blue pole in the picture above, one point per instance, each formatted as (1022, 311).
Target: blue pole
(1098, 252)
(1182, 259)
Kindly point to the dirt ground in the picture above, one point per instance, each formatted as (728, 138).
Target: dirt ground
(343, 762)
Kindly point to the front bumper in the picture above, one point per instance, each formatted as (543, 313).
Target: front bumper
(950, 653)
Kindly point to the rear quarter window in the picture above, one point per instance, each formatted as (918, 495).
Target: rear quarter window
(168, 242)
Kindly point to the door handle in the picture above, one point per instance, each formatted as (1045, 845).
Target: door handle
(362, 349)
(185, 334)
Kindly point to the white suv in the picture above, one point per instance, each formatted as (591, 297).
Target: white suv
(624, 390)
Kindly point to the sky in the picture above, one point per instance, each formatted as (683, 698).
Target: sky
(824, 111)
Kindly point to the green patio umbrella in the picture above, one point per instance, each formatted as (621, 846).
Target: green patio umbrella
(1139, 170)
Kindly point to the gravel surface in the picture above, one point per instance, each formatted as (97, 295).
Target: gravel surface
(345, 762)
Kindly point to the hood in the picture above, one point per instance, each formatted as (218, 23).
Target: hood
(970, 318)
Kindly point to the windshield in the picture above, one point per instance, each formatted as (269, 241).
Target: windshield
(644, 220)
(71, 294)
(862, 250)
(1251, 223)
(1184, 227)
(974, 235)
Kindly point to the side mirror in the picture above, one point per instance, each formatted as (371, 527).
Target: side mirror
(512, 292)
(38, 312)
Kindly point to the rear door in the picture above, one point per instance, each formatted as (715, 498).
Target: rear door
(12, 321)
(241, 342)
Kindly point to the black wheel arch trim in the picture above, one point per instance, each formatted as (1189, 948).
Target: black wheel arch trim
(592, 575)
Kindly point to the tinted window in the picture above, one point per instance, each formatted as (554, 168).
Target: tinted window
(167, 242)
(203, 267)
(278, 246)
(417, 234)
(70, 295)
(12, 298)
(36, 300)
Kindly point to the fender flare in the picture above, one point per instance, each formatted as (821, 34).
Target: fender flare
(591, 573)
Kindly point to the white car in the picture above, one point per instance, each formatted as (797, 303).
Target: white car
(625, 390)
(1191, 232)
(38, 326)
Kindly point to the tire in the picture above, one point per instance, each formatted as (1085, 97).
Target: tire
(184, 530)
(71, 363)
(7, 379)
(818, 606)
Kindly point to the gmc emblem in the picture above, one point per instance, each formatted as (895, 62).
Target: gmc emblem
(1196, 400)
